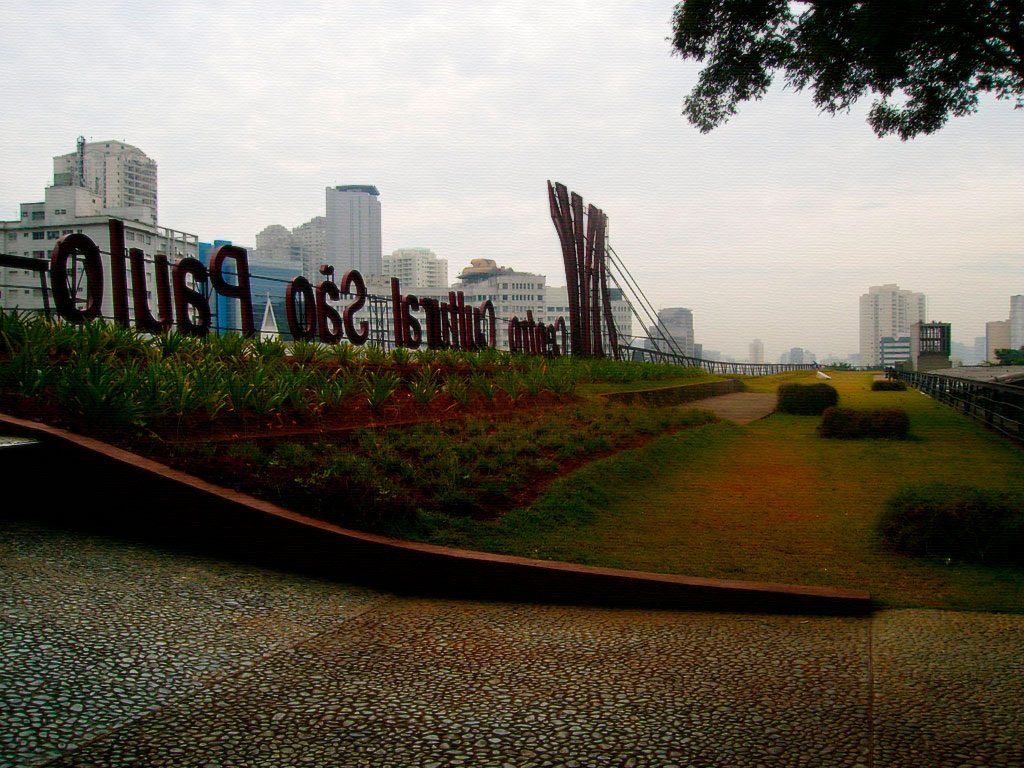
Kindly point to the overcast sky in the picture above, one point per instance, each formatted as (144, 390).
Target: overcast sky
(459, 112)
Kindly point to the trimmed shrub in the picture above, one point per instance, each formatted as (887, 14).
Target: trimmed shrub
(888, 385)
(806, 399)
(850, 424)
(955, 521)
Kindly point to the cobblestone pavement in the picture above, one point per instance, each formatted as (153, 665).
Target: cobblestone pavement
(115, 654)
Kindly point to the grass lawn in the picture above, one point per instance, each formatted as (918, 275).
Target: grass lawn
(772, 501)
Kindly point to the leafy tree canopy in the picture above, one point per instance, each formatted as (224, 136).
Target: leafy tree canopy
(1010, 356)
(925, 59)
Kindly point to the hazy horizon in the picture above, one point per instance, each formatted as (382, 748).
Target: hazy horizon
(770, 227)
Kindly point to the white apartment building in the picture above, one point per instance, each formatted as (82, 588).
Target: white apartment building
(68, 209)
(557, 305)
(418, 268)
(311, 239)
(886, 311)
(353, 233)
(512, 293)
(121, 176)
(1017, 321)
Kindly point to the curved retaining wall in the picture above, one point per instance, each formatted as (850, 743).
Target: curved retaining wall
(685, 393)
(83, 482)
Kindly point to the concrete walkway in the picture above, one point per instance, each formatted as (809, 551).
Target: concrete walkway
(114, 654)
(740, 407)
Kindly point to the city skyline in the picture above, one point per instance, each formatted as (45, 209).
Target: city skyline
(770, 227)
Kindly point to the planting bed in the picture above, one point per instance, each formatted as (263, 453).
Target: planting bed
(357, 436)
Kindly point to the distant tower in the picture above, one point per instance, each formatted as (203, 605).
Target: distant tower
(677, 322)
(353, 229)
(886, 311)
(1017, 321)
(757, 351)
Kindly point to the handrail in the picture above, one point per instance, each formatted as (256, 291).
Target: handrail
(999, 407)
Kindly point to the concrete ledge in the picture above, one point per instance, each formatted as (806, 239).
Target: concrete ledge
(684, 393)
(84, 482)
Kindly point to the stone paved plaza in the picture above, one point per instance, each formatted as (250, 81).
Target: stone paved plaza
(118, 654)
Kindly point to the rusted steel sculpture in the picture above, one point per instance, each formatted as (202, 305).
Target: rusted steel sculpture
(586, 277)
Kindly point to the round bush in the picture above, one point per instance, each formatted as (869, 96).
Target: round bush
(888, 385)
(955, 521)
(806, 399)
(850, 424)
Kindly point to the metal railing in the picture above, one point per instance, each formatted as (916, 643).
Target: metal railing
(379, 312)
(711, 366)
(999, 407)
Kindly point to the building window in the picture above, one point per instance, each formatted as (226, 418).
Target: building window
(38, 235)
(66, 231)
(38, 215)
(59, 211)
(129, 235)
(12, 235)
(53, 234)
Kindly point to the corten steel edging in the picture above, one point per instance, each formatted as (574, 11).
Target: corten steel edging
(684, 393)
(193, 511)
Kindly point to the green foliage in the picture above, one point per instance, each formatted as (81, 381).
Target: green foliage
(924, 61)
(888, 385)
(851, 424)
(379, 387)
(1010, 356)
(425, 385)
(955, 521)
(806, 399)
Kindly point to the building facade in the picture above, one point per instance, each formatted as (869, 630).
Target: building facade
(311, 239)
(675, 323)
(756, 352)
(931, 344)
(886, 311)
(894, 350)
(68, 210)
(997, 336)
(121, 176)
(417, 267)
(353, 229)
(1017, 321)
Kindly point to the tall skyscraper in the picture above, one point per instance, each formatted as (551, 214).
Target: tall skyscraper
(1017, 321)
(886, 312)
(353, 229)
(676, 322)
(757, 351)
(121, 176)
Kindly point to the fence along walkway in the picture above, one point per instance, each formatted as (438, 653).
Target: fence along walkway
(998, 406)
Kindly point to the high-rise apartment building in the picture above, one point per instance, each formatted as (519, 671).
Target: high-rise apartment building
(120, 175)
(886, 311)
(416, 268)
(353, 236)
(757, 351)
(674, 332)
(275, 244)
(997, 336)
(1017, 321)
(311, 239)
